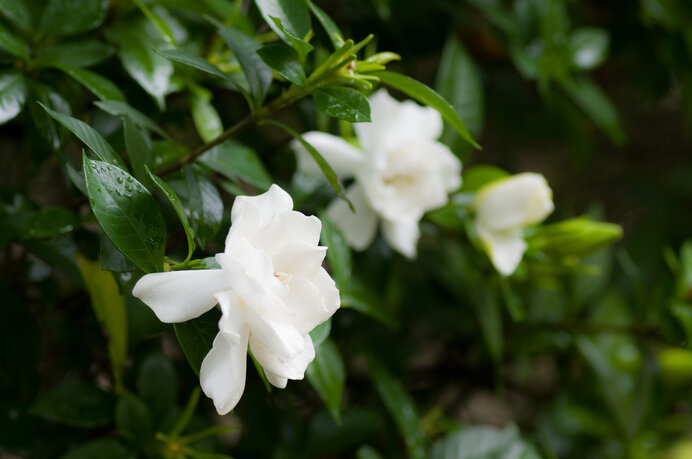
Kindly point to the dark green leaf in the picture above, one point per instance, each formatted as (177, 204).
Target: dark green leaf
(258, 75)
(204, 115)
(158, 22)
(111, 258)
(45, 124)
(118, 108)
(12, 95)
(89, 136)
(138, 146)
(103, 448)
(12, 43)
(327, 376)
(196, 337)
(70, 17)
(157, 385)
(204, 204)
(49, 222)
(598, 107)
(400, 406)
(329, 25)
(73, 54)
(178, 207)
(192, 60)
(343, 103)
(132, 419)
(19, 12)
(285, 61)
(127, 213)
(75, 404)
(489, 314)
(238, 162)
(427, 96)
(338, 253)
(321, 332)
(365, 301)
(293, 14)
(483, 442)
(100, 86)
(301, 46)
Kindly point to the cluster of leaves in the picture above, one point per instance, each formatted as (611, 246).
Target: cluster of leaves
(159, 112)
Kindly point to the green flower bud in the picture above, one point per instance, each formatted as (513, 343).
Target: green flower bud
(577, 236)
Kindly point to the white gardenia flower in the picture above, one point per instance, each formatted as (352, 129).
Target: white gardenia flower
(271, 288)
(400, 173)
(503, 209)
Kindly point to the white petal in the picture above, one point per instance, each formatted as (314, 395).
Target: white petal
(280, 338)
(287, 228)
(178, 296)
(275, 380)
(343, 157)
(419, 122)
(448, 165)
(293, 368)
(327, 288)
(384, 111)
(305, 298)
(358, 228)
(505, 248)
(402, 236)
(222, 375)
(232, 315)
(269, 203)
(299, 258)
(517, 201)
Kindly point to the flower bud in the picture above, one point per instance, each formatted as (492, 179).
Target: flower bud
(578, 236)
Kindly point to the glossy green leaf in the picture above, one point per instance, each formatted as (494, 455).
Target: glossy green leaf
(427, 96)
(258, 75)
(132, 419)
(184, 57)
(46, 126)
(13, 93)
(588, 47)
(19, 13)
(343, 103)
(109, 307)
(204, 204)
(296, 42)
(238, 162)
(400, 406)
(75, 404)
(179, 209)
(204, 115)
(70, 17)
(293, 14)
(12, 43)
(458, 81)
(100, 86)
(73, 54)
(196, 337)
(329, 25)
(158, 22)
(89, 136)
(111, 258)
(127, 213)
(327, 376)
(285, 61)
(103, 448)
(157, 385)
(49, 222)
(138, 146)
(338, 253)
(482, 441)
(118, 108)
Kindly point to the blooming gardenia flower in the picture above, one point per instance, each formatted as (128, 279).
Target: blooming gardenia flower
(503, 209)
(400, 172)
(271, 288)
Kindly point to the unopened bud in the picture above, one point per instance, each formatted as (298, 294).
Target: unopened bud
(578, 236)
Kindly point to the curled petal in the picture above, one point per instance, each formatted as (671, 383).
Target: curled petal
(222, 375)
(358, 228)
(312, 307)
(343, 157)
(293, 368)
(268, 204)
(275, 380)
(299, 258)
(505, 248)
(286, 228)
(402, 235)
(232, 316)
(279, 338)
(178, 296)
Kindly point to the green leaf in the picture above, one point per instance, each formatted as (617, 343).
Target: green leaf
(588, 47)
(204, 115)
(483, 442)
(19, 13)
(338, 253)
(13, 92)
(487, 307)
(360, 298)
(343, 103)
(89, 136)
(127, 213)
(427, 96)
(100, 86)
(478, 176)
(204, 204)
(301, 46)
(12, 43)
(73, 54)
(103, 448)
(458, 81)
(158, 22)
(132, 419)
(179, 209)
(111, 258)
(285, 61)
(75, 404)
(321, 162)
(238, 162)
(109, 307)
(191, 60)
(293, 14)
(196, 337)
(400, 406)
(118, 108)
(70, 17)
(157, 385)
(138, 146)
(258, 75)
(321, 332)
(45, 124)
(49, 222)
(327, 376)
(587, 95)
(329, 25)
